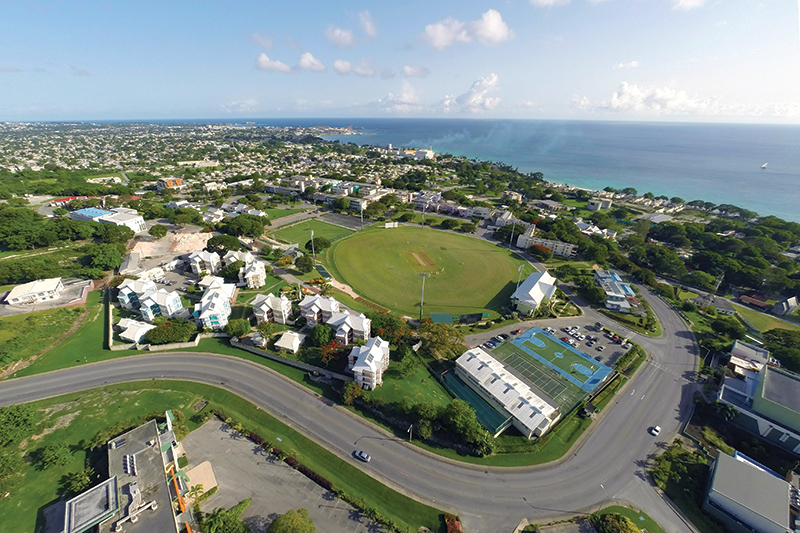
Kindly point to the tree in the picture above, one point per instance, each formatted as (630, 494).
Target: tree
(231, 272)
(304, 264)
(53, 455)
(77, 482)
(16, 421)
(351, 391)
(321, 334)
(222, 520)
(195, 491)
(178, 330)
(441, 338)
(245, 224)
(320, 243)
(105, 256)
(613, 523)
(341, 204)
(468, 228)
(158, 231)
(450, 223)
(60, 211)
(292, 522)
(223, 243)
(266, 328)
(238, 327)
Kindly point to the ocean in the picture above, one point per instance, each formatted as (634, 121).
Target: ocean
(718, 163)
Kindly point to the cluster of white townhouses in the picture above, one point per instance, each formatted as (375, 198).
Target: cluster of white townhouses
(143, 297)
(253, 274)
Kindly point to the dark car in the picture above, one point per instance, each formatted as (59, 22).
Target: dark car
(361, 456)
(503, 336)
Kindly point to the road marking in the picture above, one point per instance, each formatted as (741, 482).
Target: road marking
(642, 398)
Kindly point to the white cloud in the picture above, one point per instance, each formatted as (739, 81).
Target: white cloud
(475, 99)
(240, 106)
(309, 62)
(548, 3)
(686, 5)
(339, 36)
(621, 66)
(345, 67)
(489, 30)
(262, 40)
(367, 25)
(265, 63)
(415, 71)
(405, 102)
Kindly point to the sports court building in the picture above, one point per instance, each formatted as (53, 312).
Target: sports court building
(528, 382)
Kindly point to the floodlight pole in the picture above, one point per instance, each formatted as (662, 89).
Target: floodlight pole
(313, 253)
(519, 277)
(513, 225)
(423, 275)
(608, 498)
(410, 432)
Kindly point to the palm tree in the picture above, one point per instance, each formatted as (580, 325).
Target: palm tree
(195, 491)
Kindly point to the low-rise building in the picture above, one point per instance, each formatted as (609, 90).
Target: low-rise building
(130, 291)
(512, 195)
(290, 341)
(620, 296)
(271, 308)
(526, 411)
(590, 229)
(124, 217)
(549, 205)
(214, 308)
(536, 289)
(172, 183)
(133, 330)
(318, 309)
(746, 496)
(596, 204)
(562, 249)
(160, 303)
(204, 261)
(785, 307)
(41, 290)
(231, 256)
(369, 362)
(253, 274)
(349, 328)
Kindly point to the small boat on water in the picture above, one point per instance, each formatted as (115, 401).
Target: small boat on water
(763, 166)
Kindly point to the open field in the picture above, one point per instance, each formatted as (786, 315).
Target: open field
(273, 212)
(301, 233)
(762, 321)
(22, 336)
(467, 275)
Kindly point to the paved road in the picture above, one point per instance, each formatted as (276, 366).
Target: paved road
(488, 499)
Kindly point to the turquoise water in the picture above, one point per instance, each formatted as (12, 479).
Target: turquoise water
(718, 163)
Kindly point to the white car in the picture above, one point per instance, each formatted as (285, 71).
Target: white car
(655, 430)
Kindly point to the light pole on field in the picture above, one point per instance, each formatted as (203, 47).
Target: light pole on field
(519, 277)
(423, 275)
(313, 253)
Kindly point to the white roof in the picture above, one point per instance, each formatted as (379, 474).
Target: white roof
(291, 341)
(344, 319)
(161, 297)
(204, 255)
(34, 287)
(270, 301)
(135, 330)
(536, 288)
(371, 355)
(253, 268)
(516, 397)
(233, 256)
(324, 304)
(215, 283)
(137, 286)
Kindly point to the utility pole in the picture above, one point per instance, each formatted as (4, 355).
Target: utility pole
(519, 277)
(423, 275)
(513, 225)
(362, 216)
(608, 498)
(313, 253)
(410, 432)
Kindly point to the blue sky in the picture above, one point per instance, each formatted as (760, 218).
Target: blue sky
(680, 60)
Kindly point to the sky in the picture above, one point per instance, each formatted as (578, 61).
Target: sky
(646, 60)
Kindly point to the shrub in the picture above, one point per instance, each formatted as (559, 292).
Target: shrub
(209, 493)
(183, 461)
(291, 461)
(452, 523)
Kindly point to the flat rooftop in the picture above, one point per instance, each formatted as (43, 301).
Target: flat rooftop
(91, 507)
(782, 388)
(143, 444)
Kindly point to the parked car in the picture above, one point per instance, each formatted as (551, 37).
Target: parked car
(598, 358)
(627, 346)
(655, 430)
(565, 329)
(600, 348)
(565, 339)
(503, 336)
(517, 331)
(362, 456)
(581, 337)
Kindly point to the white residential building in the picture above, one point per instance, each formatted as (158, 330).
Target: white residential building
(215, 305)
(204, 261)
(290, 341)
(272, 308)
(536, 288)
(253, 274)
(233, 256)
(529, 413)
(350, 328)
(369, 362)
(596, 204)
(590, 229)
(160, 303)
(132, 330)
(33, 292)
(130, 292)
(213, 215)
(318, 309)
(124, 217)
(562, 249)
(620, 296)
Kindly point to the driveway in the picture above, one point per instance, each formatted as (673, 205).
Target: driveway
(244, 471)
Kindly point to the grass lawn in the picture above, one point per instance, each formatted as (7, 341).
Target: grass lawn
(86, 345)
(22, 336)
(641, 519)
(301, 233)
(468, 275)
(686, 295)
(274, 212)
(555, 263)
(84, 414)
(580, 207)
(72, 419)
(419, 387)
(632, 322)
(763, 322)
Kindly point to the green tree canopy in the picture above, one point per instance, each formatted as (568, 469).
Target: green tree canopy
(293, 522)
(304, 264)
(320, 243)
(177, 330)
(158, 231)
(223, 243)
(237, 327)
(441, 338)
(321, 334)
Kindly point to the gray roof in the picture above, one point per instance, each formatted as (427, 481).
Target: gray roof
(762, 493)
(782, 388)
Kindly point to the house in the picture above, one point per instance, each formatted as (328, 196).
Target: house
(514, 400)
(272, 308)
(177, 204)
(350, 328)
(549, 205)
(125, 217)
(756, 300)
(253, 274)
(590, 229)
(88, 214)
(214, 308)
(41, 290)
(232, 256)
(369, 362)
(130, 291)
(132, 330)
(655, 218)
(785, 307)
(160, 303)
(213, 215)
(596, 204)
(204, 261)
(562, 249)
(746, 496)
(318, 309)
(512, 195)
(536, 288)
(290, 341)
(620, 296)
(748, 357)
(720, 305)
(169, 183)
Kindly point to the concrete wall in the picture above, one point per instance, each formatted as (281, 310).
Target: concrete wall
(290, 362)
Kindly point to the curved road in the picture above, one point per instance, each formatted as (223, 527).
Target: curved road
(488, 499)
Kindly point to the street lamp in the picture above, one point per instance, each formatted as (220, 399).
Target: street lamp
(519, 277)
(410, 432)
(608, 498)
(313, 253)
(423, 275)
